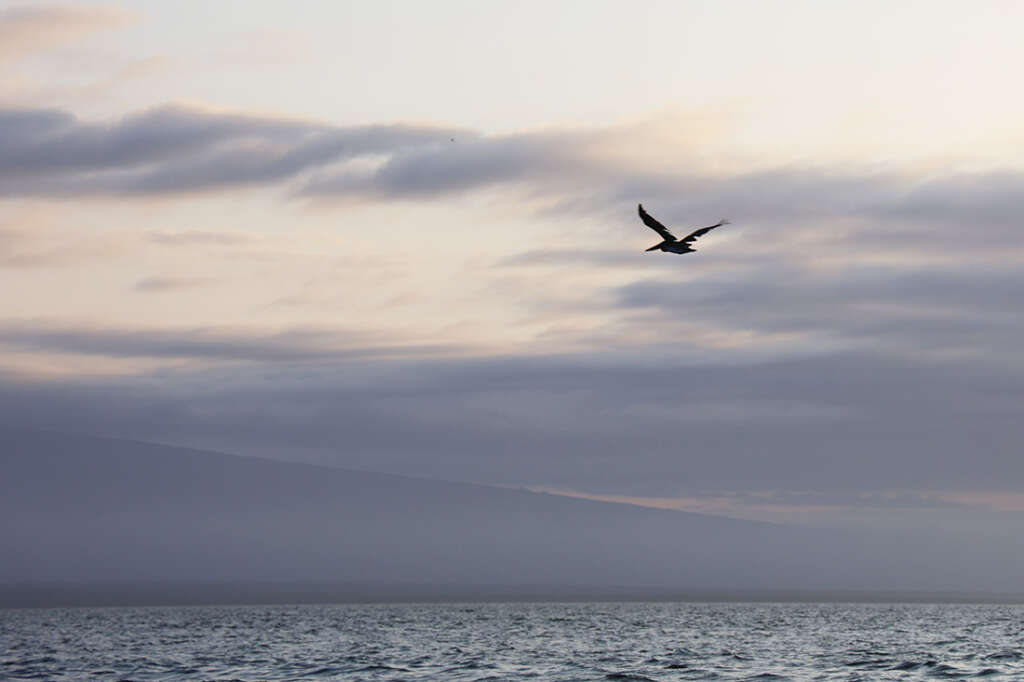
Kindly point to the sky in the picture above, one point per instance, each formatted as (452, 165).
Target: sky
(402, 237)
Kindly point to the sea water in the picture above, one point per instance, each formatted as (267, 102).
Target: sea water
(660, 641)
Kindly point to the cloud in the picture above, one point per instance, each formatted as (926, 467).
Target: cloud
(956, 514)
(161, 284)
(302, 345)
(469, 163)
(855, 330)
(24, 30)
(842, 434)
(759, 504)
(38, 244)
(198, 238)
(816, 259)
(174, 149)
(580, 257)
(1011, 501)
(826, 435)
(916, 309)
(565, 169)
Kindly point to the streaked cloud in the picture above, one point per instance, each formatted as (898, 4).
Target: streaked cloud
(198, 238)
(31, 28)
(578, 257)
(913, 309)
(954, 512)
(40, 244)
(466, 163)
(157, 284)
(224, 345)
(1005, 501)
(175, 149)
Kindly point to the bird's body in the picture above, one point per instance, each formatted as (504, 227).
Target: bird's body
(670, 244)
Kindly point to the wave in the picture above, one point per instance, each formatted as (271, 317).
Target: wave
(402, 643)
(1004, 655)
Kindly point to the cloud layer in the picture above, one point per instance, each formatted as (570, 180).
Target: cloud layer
(808, 433)
(177, 149)
(853, 335)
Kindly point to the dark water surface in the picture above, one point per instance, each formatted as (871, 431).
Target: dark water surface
(516, 642)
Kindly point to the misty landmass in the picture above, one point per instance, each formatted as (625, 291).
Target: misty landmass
(93, 520)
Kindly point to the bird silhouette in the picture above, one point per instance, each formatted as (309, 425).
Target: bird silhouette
(670, 243)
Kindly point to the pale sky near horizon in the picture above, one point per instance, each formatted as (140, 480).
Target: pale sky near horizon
(402, 236)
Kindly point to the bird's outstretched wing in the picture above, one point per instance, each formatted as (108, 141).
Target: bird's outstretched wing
(702, 231)
(654, 224)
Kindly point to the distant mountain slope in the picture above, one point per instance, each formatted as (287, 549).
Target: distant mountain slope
(76, 508)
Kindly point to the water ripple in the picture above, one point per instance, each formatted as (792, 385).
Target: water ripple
(492, 642)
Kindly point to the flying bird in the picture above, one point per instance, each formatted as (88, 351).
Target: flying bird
(670, 243)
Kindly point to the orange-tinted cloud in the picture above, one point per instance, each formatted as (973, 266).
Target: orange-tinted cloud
(28, 29)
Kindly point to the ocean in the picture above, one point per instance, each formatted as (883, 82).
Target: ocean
(590, 641)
